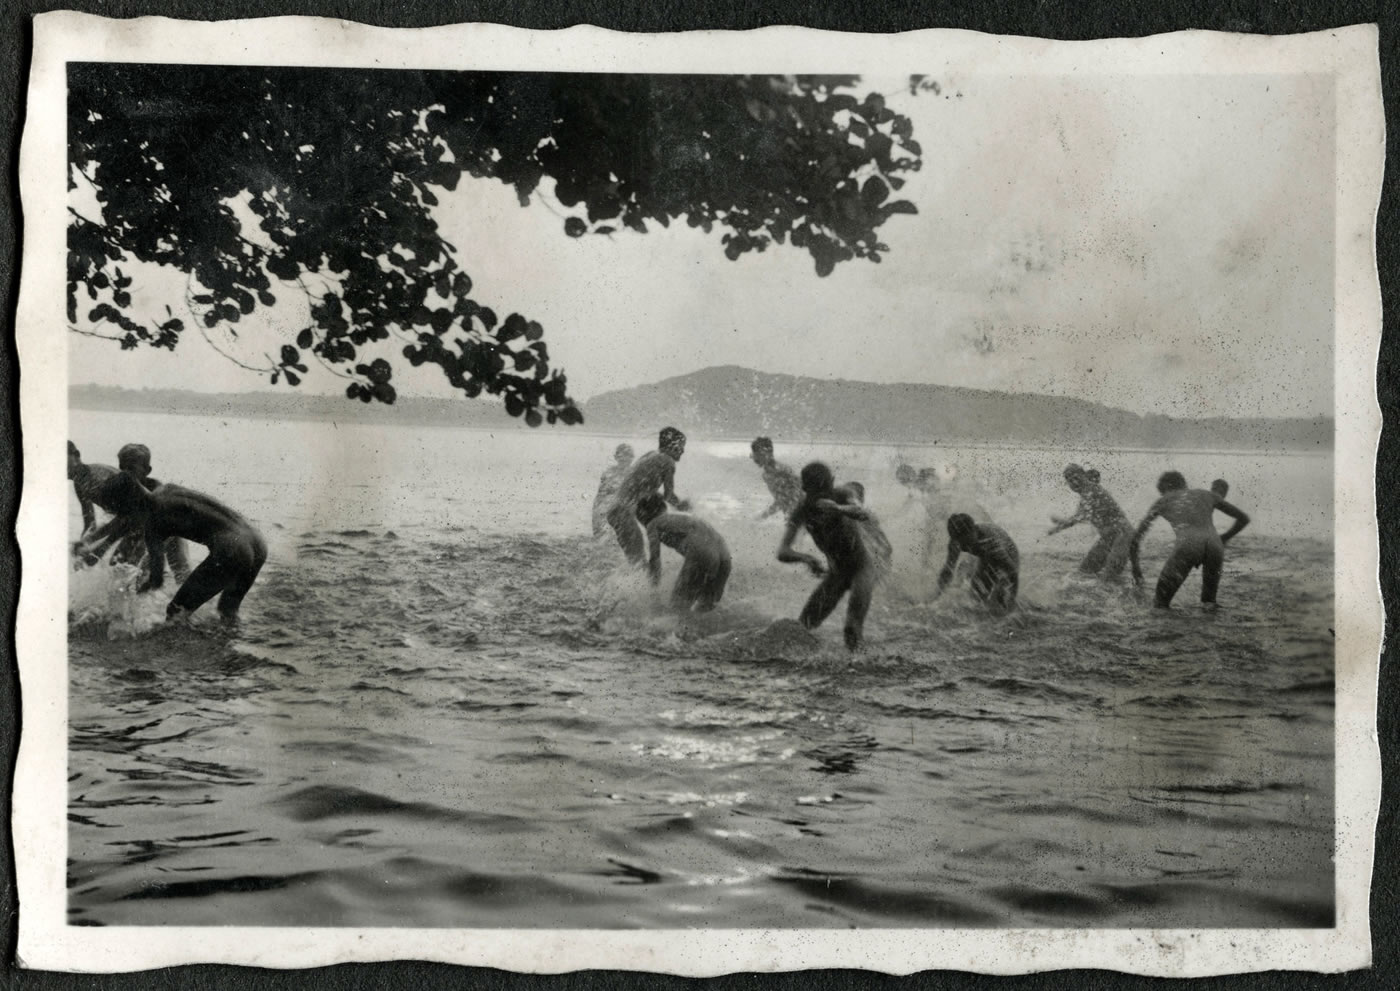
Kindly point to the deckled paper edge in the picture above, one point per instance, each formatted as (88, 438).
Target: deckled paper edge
(40, 795)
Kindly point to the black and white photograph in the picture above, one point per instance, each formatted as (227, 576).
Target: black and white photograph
(595, 497)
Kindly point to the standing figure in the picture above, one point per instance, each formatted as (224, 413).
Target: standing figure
(87, 480)
(236, 549)
(783, 483)
(1115, 546)
(997, 578)
(705, 572)
(1189, 511)
(608, 486)
(655, 470)
(135, 460)
(832, 517)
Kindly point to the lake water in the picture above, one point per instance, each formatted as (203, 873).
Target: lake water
(447, 705)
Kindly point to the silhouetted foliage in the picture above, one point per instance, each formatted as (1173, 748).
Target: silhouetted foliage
(341, 170)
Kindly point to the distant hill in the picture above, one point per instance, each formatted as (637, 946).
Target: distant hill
(734, 402)
(730, 401)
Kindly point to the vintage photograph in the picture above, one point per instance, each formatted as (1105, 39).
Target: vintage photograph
(546, 499)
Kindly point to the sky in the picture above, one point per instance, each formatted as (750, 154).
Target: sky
(1158, 244)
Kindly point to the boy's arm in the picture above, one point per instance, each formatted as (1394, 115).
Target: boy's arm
(1142, 527)
(853, 510)
(1081, 513)
(789, 556)
(95, 544)
(85, 505)
(946, 575)
(1241, 519)
(668, 488)
(155, 552)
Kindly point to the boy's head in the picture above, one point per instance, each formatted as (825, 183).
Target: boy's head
(1220, 487)
(135, 459)
(671, 442)
(1171, 481)
(928, 478)
(858, 490)
(905, 474)
(649, 507)
(624, 454)
(961, 528)
(761, 450)
(75, 460)
(1075, 477)
(817, 479)
(121, 494)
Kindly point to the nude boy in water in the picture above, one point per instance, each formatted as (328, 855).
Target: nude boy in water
(236, 549)
(1115, 546)
(1190, 511)
(831, 517)
(998, 574)
(700, 585)
(87, 480)
(653, 471)
(783, 484)
(608, 485)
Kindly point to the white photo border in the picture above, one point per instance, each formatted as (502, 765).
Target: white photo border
(39, 827)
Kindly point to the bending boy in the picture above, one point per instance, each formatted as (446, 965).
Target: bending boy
(705, 572)
(236, 549)
(997, 578)
(1115, 546)
(87, 480)
(830, 515)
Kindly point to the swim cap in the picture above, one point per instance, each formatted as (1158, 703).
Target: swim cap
(960, 525)
(761, 444)
(670, 436)
(817, 477)
(1171, 480)
(1072, 470)
(1220, 487)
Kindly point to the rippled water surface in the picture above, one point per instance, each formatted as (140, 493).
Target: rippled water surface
(448, 706)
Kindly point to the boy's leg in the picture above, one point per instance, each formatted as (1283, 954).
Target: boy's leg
(629, 532)
(1094, 561)
(824, 599)
(715, 582)
(1211, 567)
(690, 583)
(1120, 548)
(862, 591)
(244, 572)
(206, 581)
(178, 558)
(1184, 557)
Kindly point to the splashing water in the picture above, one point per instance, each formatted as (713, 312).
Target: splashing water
(436, 719)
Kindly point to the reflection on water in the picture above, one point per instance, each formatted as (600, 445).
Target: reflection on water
(436, 714)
